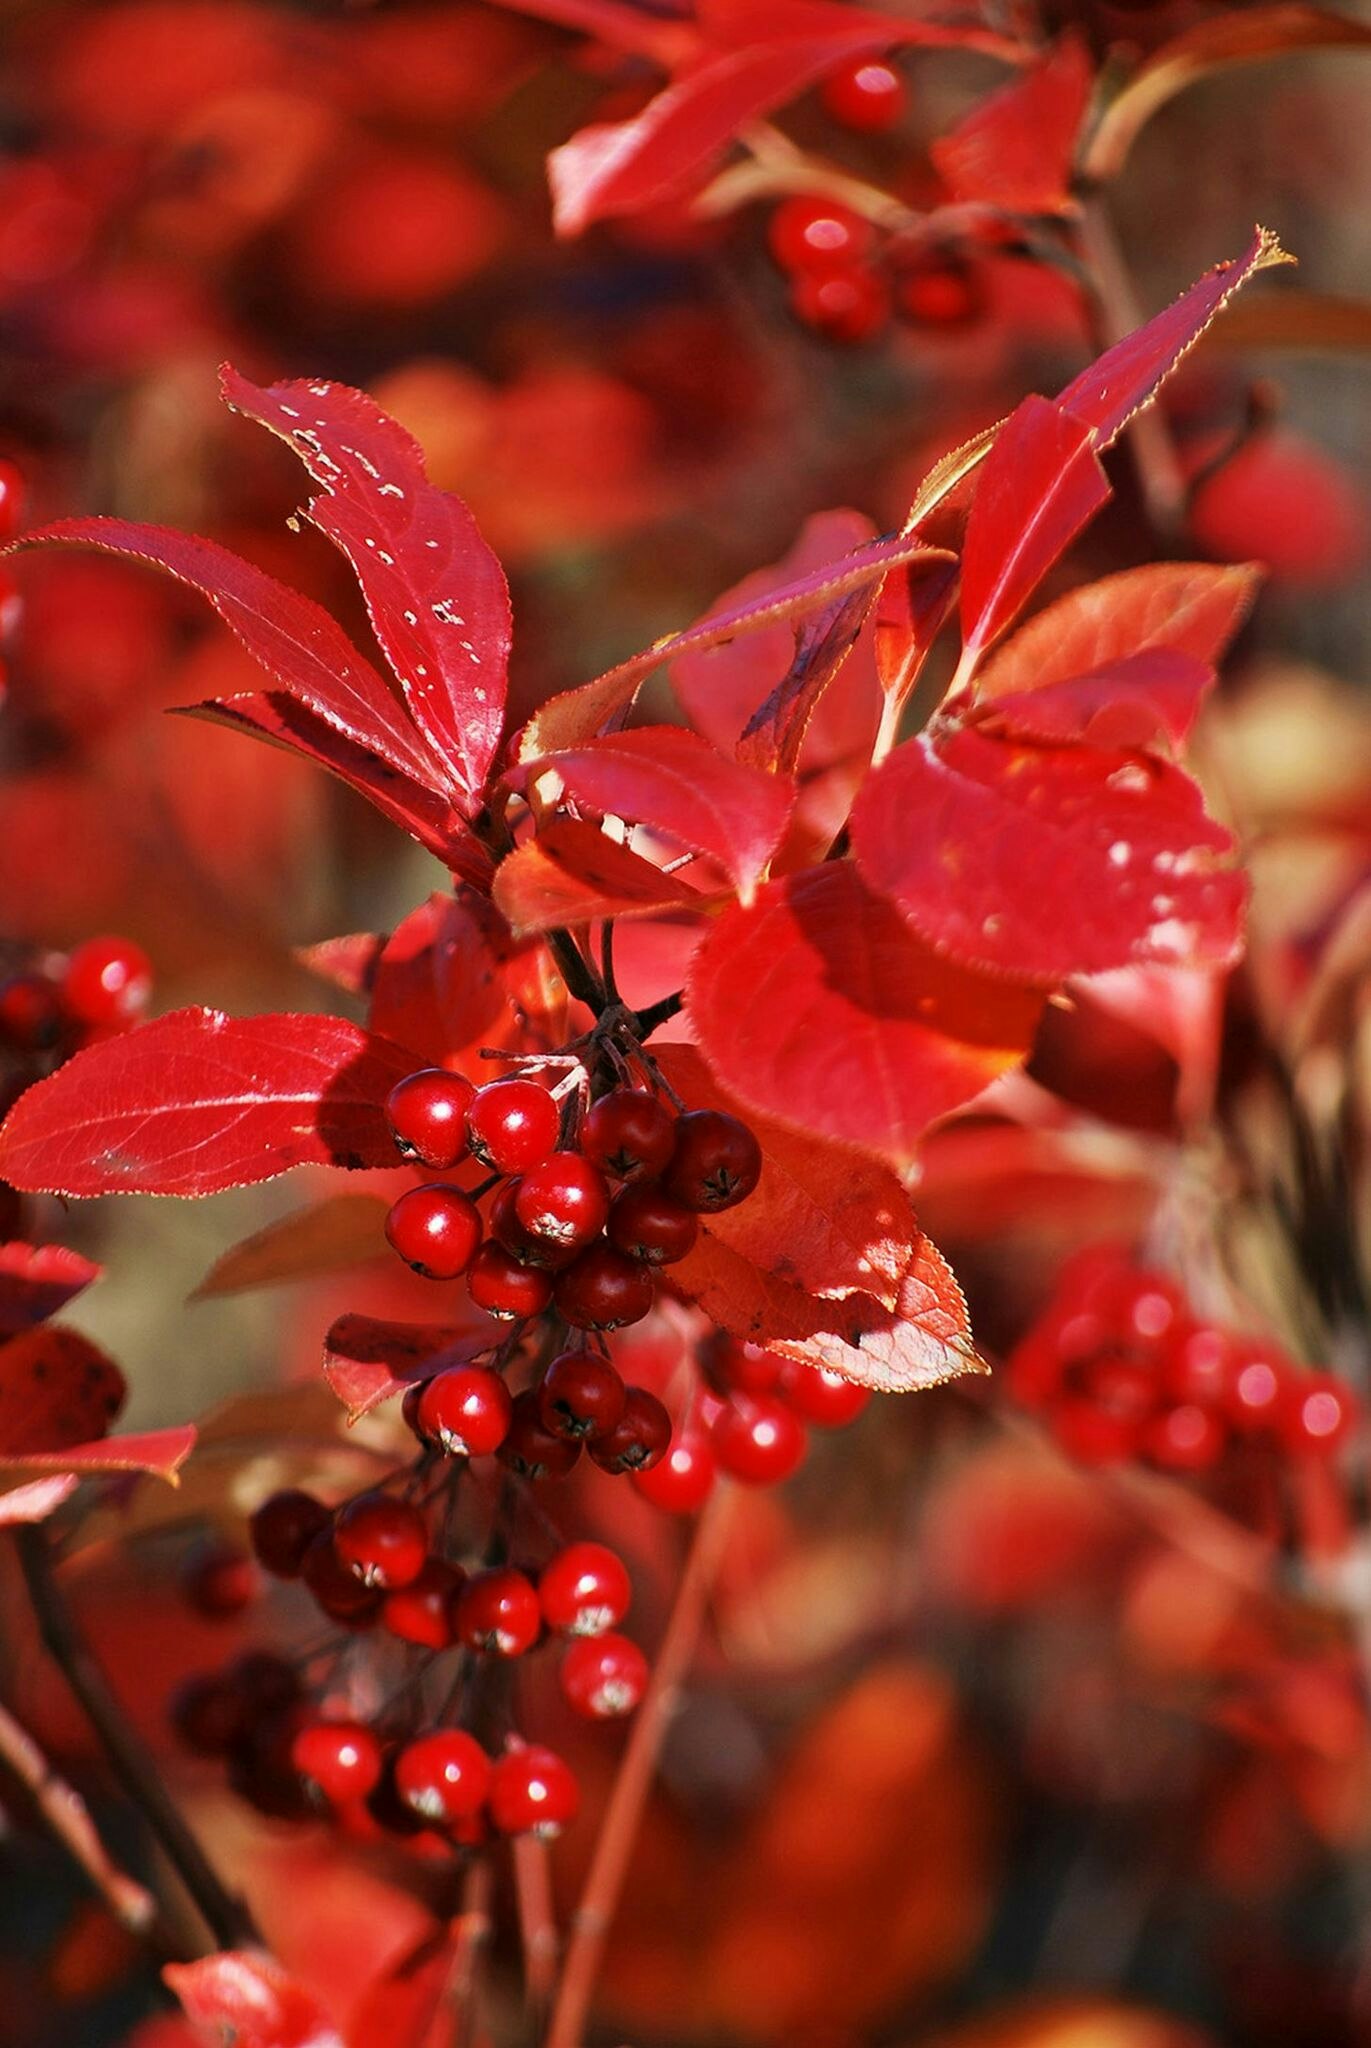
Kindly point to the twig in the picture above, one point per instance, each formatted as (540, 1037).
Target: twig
(604, 1882)
(646, 1021)
(472, 1929)
(537, 1924)
(226, 1917)
(67, 1814)
(575, 971)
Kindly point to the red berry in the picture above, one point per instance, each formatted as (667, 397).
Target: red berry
(821, 1397)
(11, 607)
(1199, 1367)
(640, 1437)
(384, 1541)
(336, 1587)
(843, 305)
(107, 983)
(444, 1777)
(563, 1201)
(498, 1610)
(1184, 1438)
(13, 492)
(465, 1410)
(1257, 1392)
(533, 1791)
(731, 1365)
(809, 234)
(428, 1114)
(682, 1481)
(421, 1612)
(31, 1014)
(867, 95)
(602, 1676)
(266, 1681)
(1119, 1387)
(604, 1290)
(758, 1439)
(531, 1448)
(436, 1229)
(581, 1395)
(1094, 1435)
(219, 1579)
(504, 1288)
(629, 1133)
(717, 1161)
(512, 1125)
(342, 1758)
(210, 1713)
(584, 1590)
(283, 1528)
(509, 1231)
(1319, 1413)
(940, 291)
(649, 1224)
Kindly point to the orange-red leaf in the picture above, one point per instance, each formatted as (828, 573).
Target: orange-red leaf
(573, 872)
(325, 1237)
(1017, 148)
(36, 1280)
(367, 1359)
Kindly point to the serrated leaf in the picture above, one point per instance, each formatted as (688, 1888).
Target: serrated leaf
(36, 1280)
(1017, 147)
(159, 1452)
(1141, 702)
(573, 872)
(330, 1236)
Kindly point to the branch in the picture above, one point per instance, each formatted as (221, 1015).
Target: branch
(537, 1923)
(645, 1022)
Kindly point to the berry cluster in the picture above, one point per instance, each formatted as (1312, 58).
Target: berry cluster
(1120, 1368)
(848, 278)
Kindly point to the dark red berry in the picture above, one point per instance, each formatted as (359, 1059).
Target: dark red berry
(732, 1365)
(584, 1590)
(533, 1791)
(629, 1134)
(867, 95)
(341, 1758)
(603, 1676)
(283, 1528)
(940, 291)
(1319, 1413)
(421, 1612)
(31, 1015)
(382, 1540)
(504, 1288)
(640, 1437)
(512, 1125)
(13, 492)
(604, 1290)
(107, 982)
(649, 1224)
(758, 1439)
(848, 305)
(822, 1397)
(465, 1411)
(563, 1201)
(218, 1579)
(581, 1396)
(266, 1681)
(717, 1162)
(682, 1481)
(530, 1448)
(340, 1593)
(1184, 1438)
(210, 1713)
(498, 1610)
(428, 1114)
(435, 1229)
(261, 1771)
(810, 235)
(444, 1777)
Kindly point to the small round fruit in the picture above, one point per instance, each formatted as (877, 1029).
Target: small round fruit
(428, 1115)
(218, 1579)
(604, 1290)
(382, 1541)
(1199, 1366)
(533, 1792)
(530, 1448)
(581, 1396)
(757, 1438)
(640, 1437)
(603, 1676)
(421, 1612)
(731, 1365)
(682, 1481)
(444, 1777)
(629, 1134)
(1257, 1392)
(940, 291)
(1092, 1434)
(504, 1288)
(341, 1758)
(107, 982)
(498, 1611)
(283, 1527)
(435, 1229)
(31, 1014)
(339, 1592)
(848, 305)
(717, 1162)
(563, 1201)
(465, 1411)
(867, 95)
(512, 1125)
(1319, 1413)
(811, 235)
(584, 1590)
(652, 1226)
(210, 1713)
(821, 1397)
(1184, 1438)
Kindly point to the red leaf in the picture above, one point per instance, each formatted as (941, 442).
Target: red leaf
(56, 1389)
(1017, 148)
(572, 873)
(367, 1360)
(675, 782)
(330, 1236)
(1048, 861)
(437, 986)
(197, 1101)
(160, 1451)
(36, 1499)
(1139, 702)
(36, 1280)
(915, 604)
(242, 1996)
(435, 593)
(347, 963)
(401, 2007)
(818, 1006)
(1193, 608)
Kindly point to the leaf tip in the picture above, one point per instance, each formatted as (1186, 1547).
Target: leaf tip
(1270, 252)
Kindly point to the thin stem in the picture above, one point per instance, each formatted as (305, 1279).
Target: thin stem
(472, 1929)
(537, 1924)
(604, 1882)
(226, 1917)
(646, 1021)
(575, 971)
(607, 961)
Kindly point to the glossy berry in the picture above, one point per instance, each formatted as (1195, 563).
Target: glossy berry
(382, 1540)
(823, 1398)
(809, 235)
(283, 1527)
(13, 492)
(758, 1439)
(533, 1791)
(31, 1014)
(717, 1161)
(849, 305)
(465, 1411)
(683, 1480)
(650, 1225)
(603, 1676)
(1319, 1413)
(584, 1590)
(640, 1437)
(512, 1125)
(563, 1201)
(604, 1290)
(504, 1288)
(1199, 1367)
(940, 291)
(106, 983)
(341, 1758)
(531, 1448)
(629, 1134)
(1257, 1392)
(337, 1588)
(444, 1777)
(428, 1114)
(421, 1612)
(1184, 1438)
(219, 1579)
(867, 95)
(581, 1396)
(498, 1610)
(436, 1229)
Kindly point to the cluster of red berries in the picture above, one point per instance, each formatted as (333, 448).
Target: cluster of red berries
(848, 279)
(1120, 1368)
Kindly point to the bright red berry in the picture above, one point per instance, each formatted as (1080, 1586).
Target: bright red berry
(498, 1610)
(1092, 1434)
(382, 1540)
(107, 983)
(563, 1201)
(629, 1134)
(650, 1225)
(1199, 1367)
(421, 1612)
(640, 1437)
(584, 1590)
(682, 1481)
(867, 95)
(219, 1579)
(604, 1290)
(337, 1588)
(581, 1395)
(11, 607)
(603, 1676)
(31, 1015)
(465, 1411)
(1257, 1392)
(428, 1114)
(13, 492)
(940, 291)
(821, 1397)
(1319, 1413)
(436, 1229)
(444, 1777)
(342, 1758)
(504, 1288)
(717, 1161)
(1184, 1438)
(533, 1791)
(531, 1448)
(509, 1231)
(848, 305)
(810, 235)
(512, 1125)
(758, 1439)
(284, 1526)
